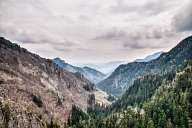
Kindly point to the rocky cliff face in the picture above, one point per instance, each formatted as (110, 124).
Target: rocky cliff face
(36, 83)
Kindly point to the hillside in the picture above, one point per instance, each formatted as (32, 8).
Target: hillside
(37, 93)
(91, 74)
(169, 106)
(30, 81)
(124, 76)
(165, 101)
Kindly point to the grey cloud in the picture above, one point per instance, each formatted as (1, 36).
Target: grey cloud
(141, 44)
(155, 7)
(150, 7)
(138, 39)
(150, 39)
(65, 45)
(159, 33)
(63, 49)
(121, 8)
(182, 21)
(133, 45)
(66, 28)
(114, 34)
(146, 32)
(85, 49)
(25, 36)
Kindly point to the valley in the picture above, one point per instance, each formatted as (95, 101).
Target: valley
(95, 64)
(44, 93)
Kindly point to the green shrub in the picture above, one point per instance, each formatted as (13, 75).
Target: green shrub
(37, 100)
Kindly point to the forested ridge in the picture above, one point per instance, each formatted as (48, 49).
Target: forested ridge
(124, 76)
(152, 102)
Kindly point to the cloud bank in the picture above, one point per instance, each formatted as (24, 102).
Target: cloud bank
(106, 30)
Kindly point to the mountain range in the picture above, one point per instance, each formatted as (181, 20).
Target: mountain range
(42, 93)
(90, 73)
(38, 90)
(160, 95)
(124, 76)
(106, 68)
(109, 67)
(153, 101)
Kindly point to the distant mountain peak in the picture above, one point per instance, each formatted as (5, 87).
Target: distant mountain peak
(58, 60)
(91, 74)
(106, 68)
(150, 57)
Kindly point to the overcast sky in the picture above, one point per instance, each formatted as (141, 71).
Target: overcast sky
(96, 31)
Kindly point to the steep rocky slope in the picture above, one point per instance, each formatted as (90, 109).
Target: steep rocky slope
(125, 74)
(91, 74)
(35, 82)
(102, 98)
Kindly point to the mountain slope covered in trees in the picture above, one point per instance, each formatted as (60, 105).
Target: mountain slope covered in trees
(170, 106)
(37, 89)
(124, 76)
